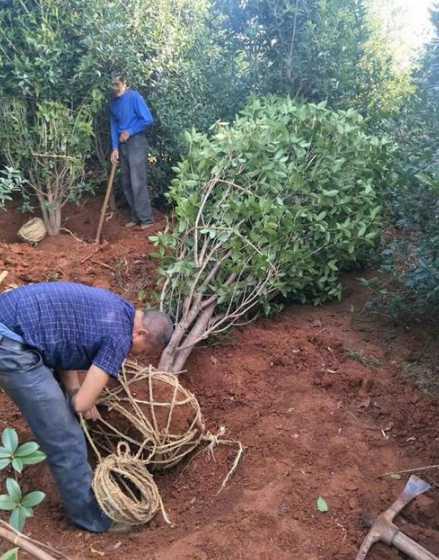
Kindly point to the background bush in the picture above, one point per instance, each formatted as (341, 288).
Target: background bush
(196, 62)
(409, 279)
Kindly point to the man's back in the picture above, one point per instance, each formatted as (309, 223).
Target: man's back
(72, 325)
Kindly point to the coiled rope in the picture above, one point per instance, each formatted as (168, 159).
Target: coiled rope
(123, 486)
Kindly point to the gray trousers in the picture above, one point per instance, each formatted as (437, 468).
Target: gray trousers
(33, 387)
(134, 178)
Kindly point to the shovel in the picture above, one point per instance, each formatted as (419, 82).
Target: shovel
(105, 204)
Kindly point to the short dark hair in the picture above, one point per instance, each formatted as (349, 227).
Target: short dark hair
(159, 324)
(119, 77)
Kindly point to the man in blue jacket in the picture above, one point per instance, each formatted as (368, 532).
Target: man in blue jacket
(130, 117)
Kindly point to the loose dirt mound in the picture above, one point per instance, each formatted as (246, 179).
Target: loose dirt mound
(316, 395)
(122, 263)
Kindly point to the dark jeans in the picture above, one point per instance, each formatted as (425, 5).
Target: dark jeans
(134, 180)
(38, 395)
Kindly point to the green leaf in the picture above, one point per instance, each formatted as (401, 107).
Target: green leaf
(10, 554)
(322, 505)
(34, 459)
(13, 489)
(362, 230)
(4, 463)
(17, 464)
(27, 449)
(18, 519)
(10, 439)
(7, 503)
(4, 453)
(33, 499)
(28, 512)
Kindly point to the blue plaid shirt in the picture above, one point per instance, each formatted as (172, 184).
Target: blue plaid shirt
(72, 325)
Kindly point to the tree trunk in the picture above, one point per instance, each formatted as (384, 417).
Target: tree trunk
(53, 221)
(173, 359)
(200, 327)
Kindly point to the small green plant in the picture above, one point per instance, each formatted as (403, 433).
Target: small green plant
(322, 505)
(21, 506)
(17, 457)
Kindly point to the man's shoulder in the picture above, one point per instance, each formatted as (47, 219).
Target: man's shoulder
(136, 94)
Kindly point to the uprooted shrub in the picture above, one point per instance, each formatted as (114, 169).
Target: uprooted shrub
(49, 146)
(276, 204)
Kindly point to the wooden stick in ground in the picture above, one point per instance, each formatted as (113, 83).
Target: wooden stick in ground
(105, 204)
(24, 544)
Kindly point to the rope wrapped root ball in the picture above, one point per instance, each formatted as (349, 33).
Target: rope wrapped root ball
(125, 490)
(33, 231)
(154, 413)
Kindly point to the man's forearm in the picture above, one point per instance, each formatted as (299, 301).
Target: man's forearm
(94, 382)
(70, 381)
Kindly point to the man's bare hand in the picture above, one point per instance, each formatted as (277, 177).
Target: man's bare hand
(115, 156)
(92, 414)
(124, 136)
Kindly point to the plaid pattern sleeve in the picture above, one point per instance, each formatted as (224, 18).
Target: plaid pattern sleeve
(112, 354)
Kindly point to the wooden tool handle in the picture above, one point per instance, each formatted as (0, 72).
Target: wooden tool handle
(25, 544)
(105, 204)
(411, 548)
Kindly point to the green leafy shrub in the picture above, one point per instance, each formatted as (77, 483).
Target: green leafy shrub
(196, 62)
(66, 50)
(10, 183)
(408, 280)
(18, 457)
(408, 283)
(51, 147)
(279, 203)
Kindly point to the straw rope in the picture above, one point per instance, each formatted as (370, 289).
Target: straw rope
(161, 448)
(124, 488)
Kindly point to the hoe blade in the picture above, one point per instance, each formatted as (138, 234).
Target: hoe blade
(415, 487)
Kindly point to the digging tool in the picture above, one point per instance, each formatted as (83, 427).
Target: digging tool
(384, 530)
(105, 204)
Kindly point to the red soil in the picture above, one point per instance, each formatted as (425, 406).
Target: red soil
(317, 415)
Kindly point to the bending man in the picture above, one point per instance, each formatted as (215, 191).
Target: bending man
(59, 327)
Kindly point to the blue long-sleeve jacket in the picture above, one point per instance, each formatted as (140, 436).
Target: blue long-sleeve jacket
(130, 113)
